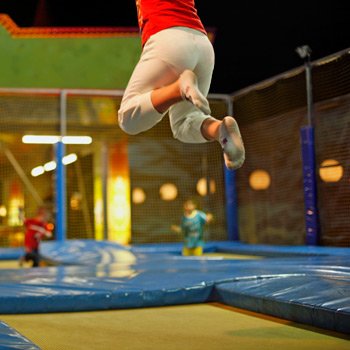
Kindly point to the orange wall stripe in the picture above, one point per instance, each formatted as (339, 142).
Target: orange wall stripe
(73, 32)
(65, 32)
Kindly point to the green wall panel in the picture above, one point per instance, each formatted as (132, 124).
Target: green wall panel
(69, 62)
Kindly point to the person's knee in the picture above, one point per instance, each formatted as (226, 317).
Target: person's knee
(187, 130)
(126, 123)
(178, 135)
(137, 118)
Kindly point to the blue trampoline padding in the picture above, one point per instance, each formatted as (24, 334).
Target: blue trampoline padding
(91, 252)
(305, 286)
(293, 298)
(267, 250)
(82, 252)
(170, 248)
(11, 253)
(11, 339)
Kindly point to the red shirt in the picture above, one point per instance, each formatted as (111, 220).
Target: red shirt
(35, 230)
(156, 15)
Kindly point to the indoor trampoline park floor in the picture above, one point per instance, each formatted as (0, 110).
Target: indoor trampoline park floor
(101, 295)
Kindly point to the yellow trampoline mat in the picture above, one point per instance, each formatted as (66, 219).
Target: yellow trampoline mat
(14, 264)
(187, 327)
(9, 264)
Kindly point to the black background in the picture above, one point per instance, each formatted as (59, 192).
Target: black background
(255, 40)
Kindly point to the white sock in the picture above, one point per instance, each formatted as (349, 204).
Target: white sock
(232, 144)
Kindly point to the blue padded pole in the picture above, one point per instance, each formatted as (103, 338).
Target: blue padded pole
(308, 154)
(231, 191)
(61, 173)
(60, 193)
(231, 205)
(310, 185)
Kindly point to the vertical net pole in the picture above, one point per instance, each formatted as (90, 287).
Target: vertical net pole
(309, 166)
(231, 194)
(61, 173)
(104, 151)
(231, 205)
(310, 105)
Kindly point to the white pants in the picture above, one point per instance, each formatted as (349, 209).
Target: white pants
(164, 57)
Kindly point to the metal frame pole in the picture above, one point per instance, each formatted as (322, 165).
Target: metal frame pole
(308, 157)
(230, 186)
(61, 216)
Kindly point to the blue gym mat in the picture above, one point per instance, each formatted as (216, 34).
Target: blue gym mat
(11, 339)
(309, 285)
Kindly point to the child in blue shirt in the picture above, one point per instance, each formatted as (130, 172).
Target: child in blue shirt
(192, 226)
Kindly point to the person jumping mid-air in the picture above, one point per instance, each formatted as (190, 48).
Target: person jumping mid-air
(174, 75)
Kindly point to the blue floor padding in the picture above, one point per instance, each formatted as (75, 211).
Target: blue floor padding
(11, 253)
(267, 250)
(290, 298)
(309, 285)
(11, 339)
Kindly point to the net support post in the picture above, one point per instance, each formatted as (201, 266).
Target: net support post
(231, 205)
(310, 185)
(60, 183)
(60, 192)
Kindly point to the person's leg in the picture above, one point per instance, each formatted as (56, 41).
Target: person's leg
(186, 118)
(137, 112)
(227, 133)
(187, 251)
(192, 125)
(34, 256)
(184, 88)
(29, 257)
(21, 261)
(160, 79)
(165, 76)
(198, 251)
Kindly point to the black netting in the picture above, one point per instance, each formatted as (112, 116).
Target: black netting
(93, 208)
(274, 215)
(20, 192)
(271, 115)
(156, 158)
(332, 133)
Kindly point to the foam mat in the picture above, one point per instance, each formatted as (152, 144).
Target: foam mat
(301, 284)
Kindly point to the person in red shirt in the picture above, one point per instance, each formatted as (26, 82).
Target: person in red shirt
(36, 229)
(173, 76)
